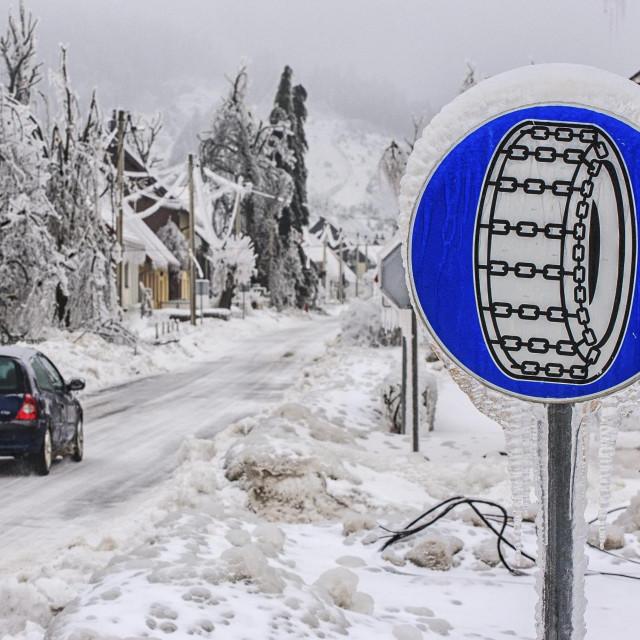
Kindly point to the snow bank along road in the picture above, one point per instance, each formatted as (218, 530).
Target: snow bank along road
(133, 432)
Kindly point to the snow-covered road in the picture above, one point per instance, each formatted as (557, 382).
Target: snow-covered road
(133, 432)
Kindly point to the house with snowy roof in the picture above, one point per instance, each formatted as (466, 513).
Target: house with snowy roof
(326, 261)
(148, 209)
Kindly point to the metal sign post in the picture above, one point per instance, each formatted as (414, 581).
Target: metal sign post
(522, 260)
(394, 286)
(557, 596)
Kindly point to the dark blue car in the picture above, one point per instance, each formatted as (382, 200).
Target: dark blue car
(39, 416)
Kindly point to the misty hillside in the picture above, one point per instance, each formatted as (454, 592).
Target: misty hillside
(346, 183)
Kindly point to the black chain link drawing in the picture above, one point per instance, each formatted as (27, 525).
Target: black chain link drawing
(555, 252)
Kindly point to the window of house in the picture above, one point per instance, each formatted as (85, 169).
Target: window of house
(126, 275)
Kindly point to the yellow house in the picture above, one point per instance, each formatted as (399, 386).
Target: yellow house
(154, 271)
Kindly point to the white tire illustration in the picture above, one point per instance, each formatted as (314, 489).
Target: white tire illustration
(555, 252)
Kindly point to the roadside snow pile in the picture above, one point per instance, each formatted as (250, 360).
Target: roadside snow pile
(285, 464)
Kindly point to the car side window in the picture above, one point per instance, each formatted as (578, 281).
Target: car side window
(54, 375)
(42, 377)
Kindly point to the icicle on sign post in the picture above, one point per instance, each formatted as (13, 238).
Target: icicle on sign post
(520, 206)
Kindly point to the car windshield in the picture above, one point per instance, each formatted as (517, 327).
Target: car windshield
(11, 378)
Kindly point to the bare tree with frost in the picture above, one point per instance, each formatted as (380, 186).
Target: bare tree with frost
(236, 147)
(30, 262)
(18, 51)
(86, 296)
(142, 135)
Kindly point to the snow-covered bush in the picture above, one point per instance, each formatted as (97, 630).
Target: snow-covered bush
(391, 393)
(361, 325)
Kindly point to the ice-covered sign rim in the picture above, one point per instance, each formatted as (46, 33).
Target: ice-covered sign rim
(409, 249)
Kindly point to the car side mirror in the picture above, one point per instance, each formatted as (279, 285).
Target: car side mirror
(76, 384)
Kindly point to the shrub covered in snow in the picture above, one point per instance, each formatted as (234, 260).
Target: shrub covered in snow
(392, 398)
(362, 325)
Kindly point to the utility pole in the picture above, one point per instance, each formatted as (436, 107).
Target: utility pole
(120, 203)
(357, 265)
(366, 257)
(236, 211)
(192, 244)
(324, 264)
(340, 270)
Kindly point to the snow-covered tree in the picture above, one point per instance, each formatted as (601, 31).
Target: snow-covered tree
(86, 297)
(30, 263)
(287, 148)
(470, 79)
(234, 263)
(175, 241)
(142, 135)
(18, 51)
(235, 148)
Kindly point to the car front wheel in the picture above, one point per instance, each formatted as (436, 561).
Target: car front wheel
(41, 461)
(78, 443)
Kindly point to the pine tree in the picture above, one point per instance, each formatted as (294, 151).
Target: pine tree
(18, 51)
(288, 146)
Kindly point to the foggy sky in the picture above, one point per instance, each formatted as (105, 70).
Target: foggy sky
(377, 60)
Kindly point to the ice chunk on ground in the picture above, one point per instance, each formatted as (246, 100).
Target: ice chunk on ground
(270, 538)
(435, 551)
(357, 522)
(340, 584)
(406, 632)
(613, 537)
(629, 519)
(250, 564)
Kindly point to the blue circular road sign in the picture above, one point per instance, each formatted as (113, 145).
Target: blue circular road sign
(522, 252)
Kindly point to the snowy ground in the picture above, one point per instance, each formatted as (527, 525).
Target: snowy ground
(103, 364)
(269, 529)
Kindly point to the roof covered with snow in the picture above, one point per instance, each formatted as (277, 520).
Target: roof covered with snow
(138, 237)
(315, 253)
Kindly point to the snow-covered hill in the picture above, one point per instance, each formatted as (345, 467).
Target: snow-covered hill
(345, 183)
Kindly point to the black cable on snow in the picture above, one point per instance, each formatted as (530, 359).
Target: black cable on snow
(445, 507)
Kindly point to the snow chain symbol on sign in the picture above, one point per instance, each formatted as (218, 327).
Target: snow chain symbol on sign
(555, 252)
